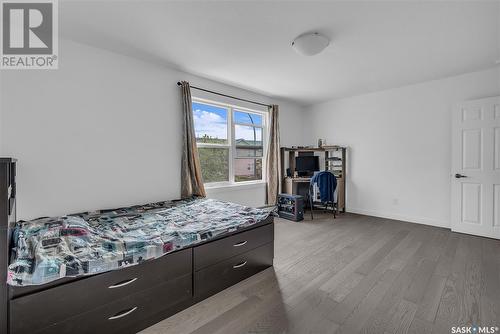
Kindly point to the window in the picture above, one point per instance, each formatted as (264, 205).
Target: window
(230, 142)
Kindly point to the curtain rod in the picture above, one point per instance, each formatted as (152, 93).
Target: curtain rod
(232, 97)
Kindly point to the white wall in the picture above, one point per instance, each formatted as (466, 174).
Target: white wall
(399, 145)
(104, 130)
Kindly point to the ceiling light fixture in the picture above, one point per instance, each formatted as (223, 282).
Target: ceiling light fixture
(310, 44)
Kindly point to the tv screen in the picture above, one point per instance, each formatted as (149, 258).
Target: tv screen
(306, 165)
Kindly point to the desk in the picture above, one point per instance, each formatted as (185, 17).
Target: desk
(334, 158)
(297, 186)
(300, 186)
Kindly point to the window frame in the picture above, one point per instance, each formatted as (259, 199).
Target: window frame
(231, 141)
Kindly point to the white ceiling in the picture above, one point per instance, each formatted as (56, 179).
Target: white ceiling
(376, 45)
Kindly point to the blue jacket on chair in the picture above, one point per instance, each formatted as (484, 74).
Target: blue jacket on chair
(327, 183)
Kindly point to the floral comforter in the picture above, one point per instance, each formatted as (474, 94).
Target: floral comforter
(47, 249)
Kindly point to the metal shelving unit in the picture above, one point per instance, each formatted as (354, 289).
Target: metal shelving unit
(335, 162)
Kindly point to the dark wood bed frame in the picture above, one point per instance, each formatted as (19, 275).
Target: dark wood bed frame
(129, 299)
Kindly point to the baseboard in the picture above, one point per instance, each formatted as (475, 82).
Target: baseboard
(417, 220)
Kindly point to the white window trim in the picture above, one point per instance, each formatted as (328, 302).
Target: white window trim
(236, 186)
(232, 143)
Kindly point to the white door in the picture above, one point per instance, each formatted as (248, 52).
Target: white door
(475, 185)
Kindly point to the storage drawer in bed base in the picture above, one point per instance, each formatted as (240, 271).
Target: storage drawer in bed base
(225, 248)
(217, 277)
(44, 308)
(122, 316)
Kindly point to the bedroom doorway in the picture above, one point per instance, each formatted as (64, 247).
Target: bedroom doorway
(475, 185)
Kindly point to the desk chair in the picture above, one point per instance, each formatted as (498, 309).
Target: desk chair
(327, 183)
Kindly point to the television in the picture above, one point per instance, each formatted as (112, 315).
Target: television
(306, 165)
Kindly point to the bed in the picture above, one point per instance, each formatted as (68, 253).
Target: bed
(121, 270)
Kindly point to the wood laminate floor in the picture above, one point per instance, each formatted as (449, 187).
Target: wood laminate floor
(357, 274)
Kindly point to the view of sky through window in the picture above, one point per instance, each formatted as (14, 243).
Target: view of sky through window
(210, 122)
(247, 118)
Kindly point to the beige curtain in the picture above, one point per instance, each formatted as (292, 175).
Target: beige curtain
(191, 179)
(273, 157)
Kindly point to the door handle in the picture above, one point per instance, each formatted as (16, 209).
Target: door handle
(459, 176)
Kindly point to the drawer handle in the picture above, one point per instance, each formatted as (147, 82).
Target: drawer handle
(239, 265)
(240, 243)
(122, 284)
(122, 314)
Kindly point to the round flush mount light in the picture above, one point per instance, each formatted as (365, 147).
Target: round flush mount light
(310, 44)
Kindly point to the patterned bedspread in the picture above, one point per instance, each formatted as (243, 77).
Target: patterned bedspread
(47, 249)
